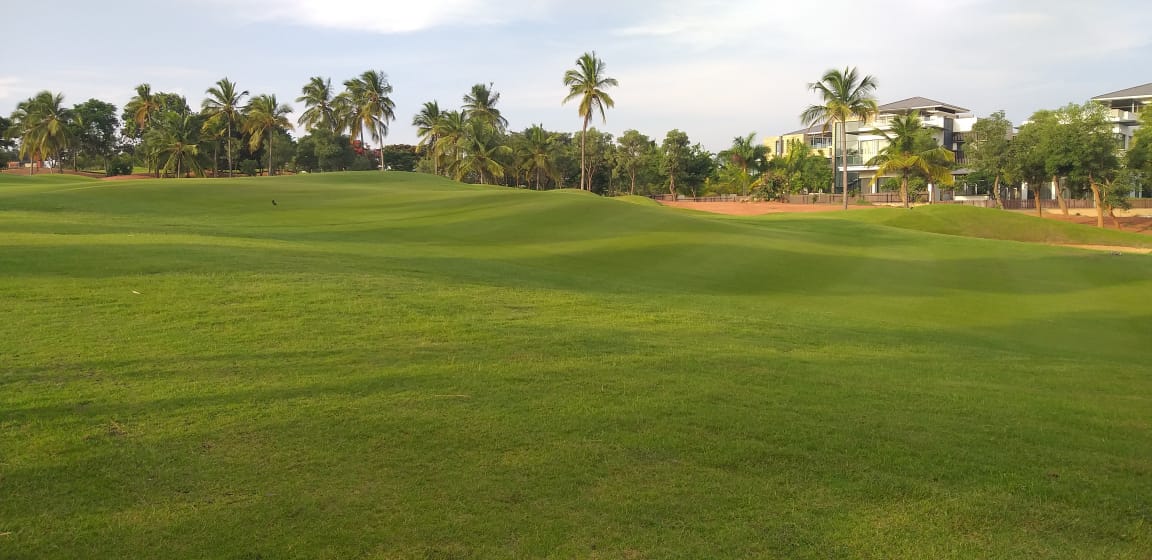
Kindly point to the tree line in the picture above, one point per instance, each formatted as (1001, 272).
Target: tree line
(232, 131)
(1072, 147)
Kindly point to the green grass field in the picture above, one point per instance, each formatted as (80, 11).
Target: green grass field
(397, 366)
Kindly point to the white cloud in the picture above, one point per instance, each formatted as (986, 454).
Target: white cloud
(389, 16)
(10, 88)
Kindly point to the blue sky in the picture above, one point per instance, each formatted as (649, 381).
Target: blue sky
(715, 69)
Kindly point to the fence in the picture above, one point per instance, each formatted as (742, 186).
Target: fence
(1073, 203)
(894, 198)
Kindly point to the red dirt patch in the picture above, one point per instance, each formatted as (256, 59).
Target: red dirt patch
(132, 176)
(757, 208)
(1137, 223)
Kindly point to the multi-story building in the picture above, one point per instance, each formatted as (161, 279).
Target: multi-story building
(947, 123)
(815, 137)
(1124, 108)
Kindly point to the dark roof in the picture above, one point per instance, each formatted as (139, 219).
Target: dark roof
(1138, 91)
(814, 129)
(919, 103)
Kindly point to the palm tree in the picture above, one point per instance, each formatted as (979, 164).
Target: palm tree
(223, 104)
(143, 106)
(369, 107)
(912, 152)
(482, 150)
(452, 130)
(43, 124)
(845, 96)
(177, 139)
(263, 117)
(536, 151)
(428, 124)
(745, 154)
(480, 105)
(321, 106)
(588, 82)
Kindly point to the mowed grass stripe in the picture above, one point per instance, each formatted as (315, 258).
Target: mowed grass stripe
(397, 366)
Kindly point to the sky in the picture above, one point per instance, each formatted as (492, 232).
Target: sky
(715, 69)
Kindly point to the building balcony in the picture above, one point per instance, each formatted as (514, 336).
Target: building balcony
(1124, 117)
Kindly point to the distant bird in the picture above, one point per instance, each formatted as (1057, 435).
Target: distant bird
(274, 202)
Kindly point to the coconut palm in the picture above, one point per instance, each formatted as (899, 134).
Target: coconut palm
(428, 124)
(177, 138)
(911, 151)
(845, 95)
(142, 107)
(263, 118)
(43, 124)
(536, 152)
(223, 105)
(369, 107)
(480, 105)
(321, 110)
(481, 153)
(452, 130)
(587, 83)
(745, 154)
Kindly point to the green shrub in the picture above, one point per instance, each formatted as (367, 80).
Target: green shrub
(119, 165)
(249, 167)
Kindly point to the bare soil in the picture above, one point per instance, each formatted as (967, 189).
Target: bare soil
(1138, 220)
(757, 208)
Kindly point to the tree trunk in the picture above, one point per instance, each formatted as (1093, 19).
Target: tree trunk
(1098, 201)
(228, 147)
(381, 153)
(1039, 209)
(1060, 195)
(903, 190)
(270, 171)
(996, 192)
(633, 177)
(844, 159)
(583, 142)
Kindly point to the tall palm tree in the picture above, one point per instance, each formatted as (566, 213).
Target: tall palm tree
(428, 124)
(912, 152)
(480, 105)
(369, 107)
(587, 82)
(263, 117)
(845, 95)
(321, 107)
(223, 104)
(143, 106)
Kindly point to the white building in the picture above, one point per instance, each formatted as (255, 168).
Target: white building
(1124, 110)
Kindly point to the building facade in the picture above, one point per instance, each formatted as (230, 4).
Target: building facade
(864, 140)
(1124, 109)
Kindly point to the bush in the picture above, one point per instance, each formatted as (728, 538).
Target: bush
(119, 165)
(249, 167)
(363, 163)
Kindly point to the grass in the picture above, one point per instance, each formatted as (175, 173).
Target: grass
(396, 366)
(978, 222)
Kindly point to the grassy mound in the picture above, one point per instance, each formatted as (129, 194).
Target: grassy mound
(399, 366)
(997, 224)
